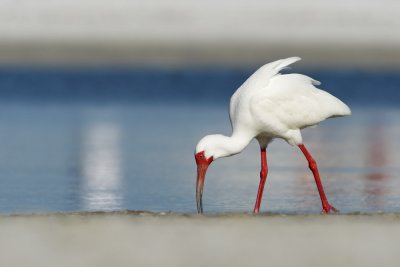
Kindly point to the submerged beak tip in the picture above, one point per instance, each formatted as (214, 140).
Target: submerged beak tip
(201, 172)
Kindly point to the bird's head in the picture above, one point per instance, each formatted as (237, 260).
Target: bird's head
(207, 150)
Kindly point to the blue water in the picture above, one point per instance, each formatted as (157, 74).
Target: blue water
(116, 139)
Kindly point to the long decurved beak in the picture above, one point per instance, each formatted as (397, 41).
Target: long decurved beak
(201, 174)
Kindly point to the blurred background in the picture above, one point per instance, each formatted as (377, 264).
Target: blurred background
(102, 103)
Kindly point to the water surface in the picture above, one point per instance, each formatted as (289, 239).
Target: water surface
(82, 151)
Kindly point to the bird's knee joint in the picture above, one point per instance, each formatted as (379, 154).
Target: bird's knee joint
(263, 174)
(313, 165)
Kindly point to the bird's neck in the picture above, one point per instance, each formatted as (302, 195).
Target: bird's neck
(231, 145)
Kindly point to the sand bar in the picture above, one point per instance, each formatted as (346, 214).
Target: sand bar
(151, 239)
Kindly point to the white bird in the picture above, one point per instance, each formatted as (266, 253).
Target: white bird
(270, 105)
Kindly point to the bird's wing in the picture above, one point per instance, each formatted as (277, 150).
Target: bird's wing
(261, 77)
(292, 102)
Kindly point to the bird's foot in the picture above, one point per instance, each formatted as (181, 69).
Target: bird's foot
(327, 208)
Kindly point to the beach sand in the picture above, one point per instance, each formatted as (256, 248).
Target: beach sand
(152, 239)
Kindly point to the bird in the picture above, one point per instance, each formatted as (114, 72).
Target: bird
(270, 105)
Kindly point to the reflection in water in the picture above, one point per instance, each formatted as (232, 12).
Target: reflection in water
(376, 154)
(375, 187)
(358, 156)
(101, 167)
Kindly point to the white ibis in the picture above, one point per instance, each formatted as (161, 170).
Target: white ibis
(270, 105)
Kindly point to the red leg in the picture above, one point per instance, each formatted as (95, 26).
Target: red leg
(263, 178)
(326, 207)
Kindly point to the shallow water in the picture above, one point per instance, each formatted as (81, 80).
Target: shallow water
(116, 139)
(83, 157)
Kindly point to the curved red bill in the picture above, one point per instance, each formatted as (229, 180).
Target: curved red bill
(202, 165)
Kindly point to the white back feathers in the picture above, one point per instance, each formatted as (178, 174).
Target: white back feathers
(272, 105)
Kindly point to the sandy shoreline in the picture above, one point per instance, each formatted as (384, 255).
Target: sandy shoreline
(152, 239)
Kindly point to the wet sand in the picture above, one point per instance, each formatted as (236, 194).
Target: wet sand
(150, 239)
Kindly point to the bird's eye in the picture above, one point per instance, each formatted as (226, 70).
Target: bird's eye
(200, 156)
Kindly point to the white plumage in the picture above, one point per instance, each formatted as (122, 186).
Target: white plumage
(270, 105)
